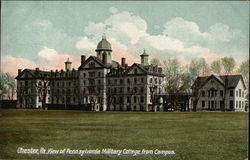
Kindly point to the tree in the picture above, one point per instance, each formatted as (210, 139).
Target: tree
(194, 69)
(177, 80)
(205, 70)
(216, 67)
(228, 64)
(244, 71)
(155, 62)
(7, 86)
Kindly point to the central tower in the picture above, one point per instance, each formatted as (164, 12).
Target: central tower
(104, 50)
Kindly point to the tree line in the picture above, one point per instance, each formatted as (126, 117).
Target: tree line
(178, 78)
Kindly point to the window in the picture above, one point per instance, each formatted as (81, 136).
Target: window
(239, 104)
(221, 93)
(142, 80)
(239, 92)
(128, 89)
(142, 89)
(135, 89)
(108, 81)
(151, 80)
(121, 90)
(114, 90)
(62, 100)
(203, 104)
(128, 99)
(231, 104)
(128, 81)
(231, 93)
(121, 81)
(120, 99)
(99, 81)
(221, 104)
(48, 91)
(135, 80)
(134, 99)
(155, 80)
(115, 81)
(203, 93)
(236, 93)
(99, 74)
(142, 99)
(159, 81)
(84, 75)
(91, 74)
(208, 93)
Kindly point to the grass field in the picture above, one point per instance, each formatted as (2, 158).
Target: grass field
(194, 136)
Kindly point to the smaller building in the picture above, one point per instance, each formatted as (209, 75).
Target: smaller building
(224, 93)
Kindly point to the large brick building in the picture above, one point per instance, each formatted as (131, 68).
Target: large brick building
(99, 83)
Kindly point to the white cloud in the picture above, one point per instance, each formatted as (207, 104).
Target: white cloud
(48, 54)
(85, 43)
(180, 38)
(123, 26)
(54, 60)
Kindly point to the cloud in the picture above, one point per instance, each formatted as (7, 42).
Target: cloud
(178, 28)
(180, 38)
(12, 64)
(120, 51)
(48, 54)
(124, 26)
(51, 59)
(85, 43)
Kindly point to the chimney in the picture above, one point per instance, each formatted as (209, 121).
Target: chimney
(19, 71)
(37, 69)
(83, 58)
(123, 62)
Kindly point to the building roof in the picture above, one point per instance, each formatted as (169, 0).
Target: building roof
(104, 45)
(233, 80)
(34, 74)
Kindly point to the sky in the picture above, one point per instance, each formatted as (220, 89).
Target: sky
(45, 33)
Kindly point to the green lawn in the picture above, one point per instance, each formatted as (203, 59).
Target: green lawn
(194, 136)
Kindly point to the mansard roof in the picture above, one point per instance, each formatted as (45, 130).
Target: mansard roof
(233, 80)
